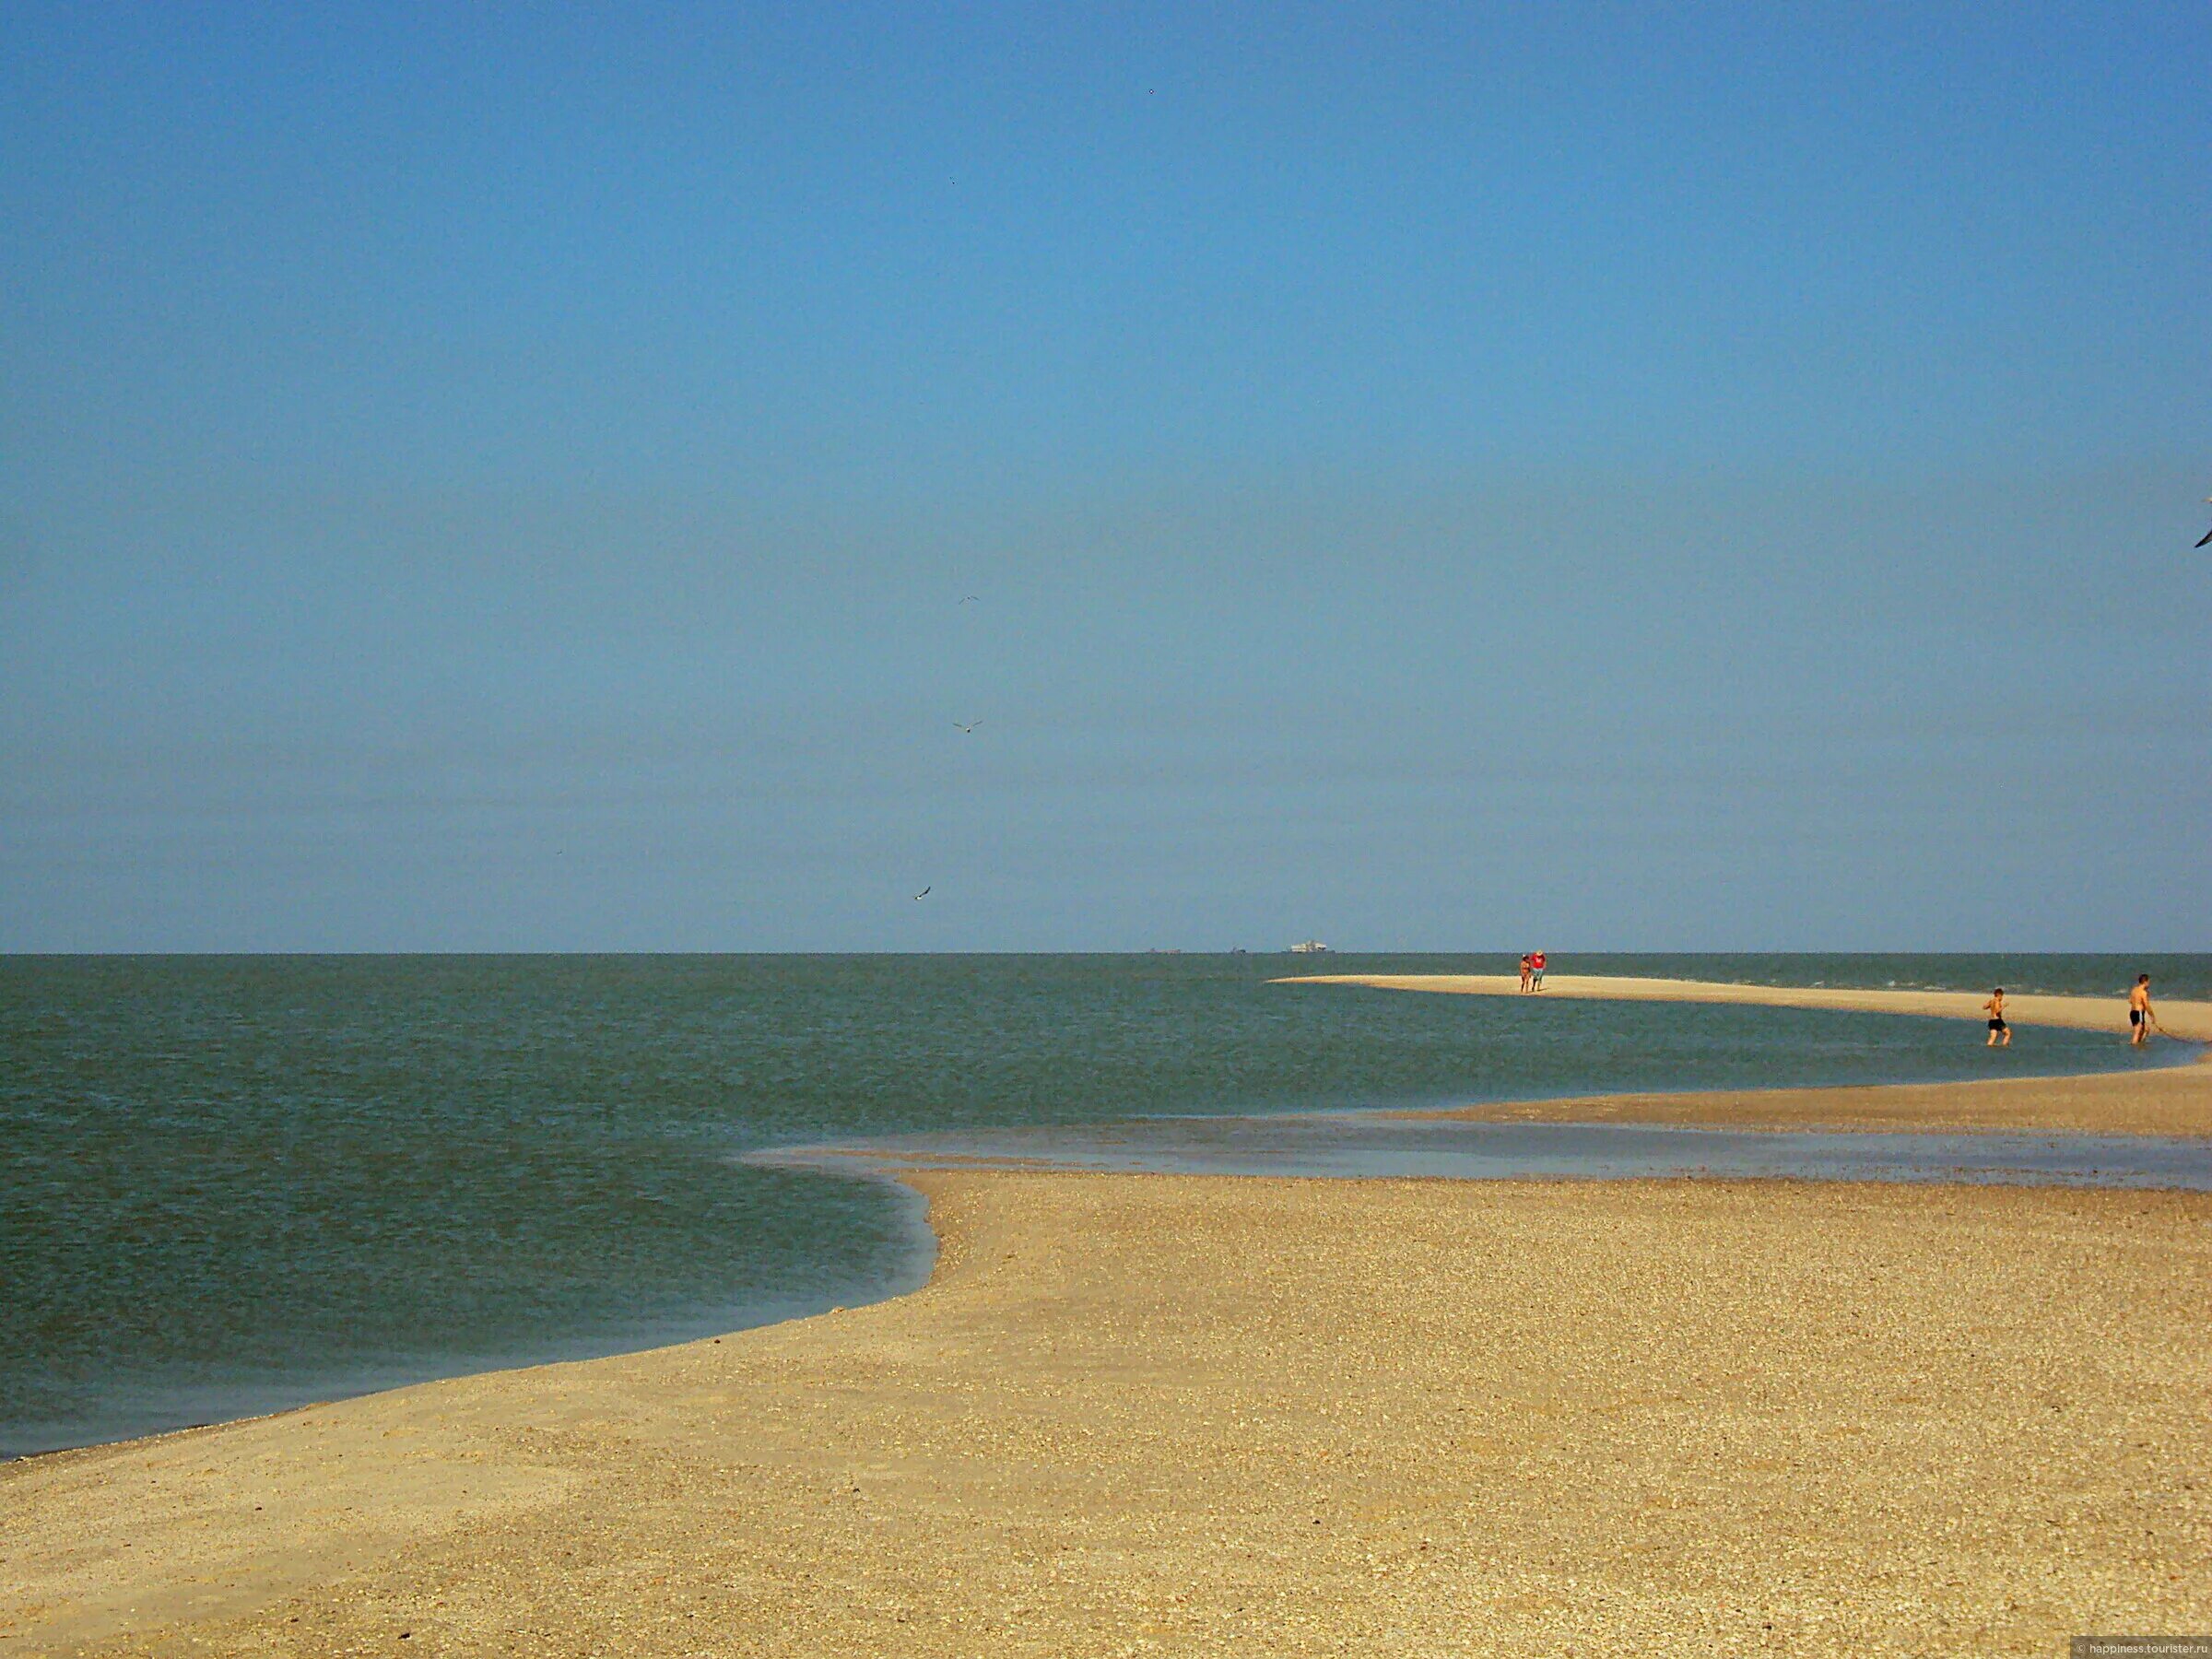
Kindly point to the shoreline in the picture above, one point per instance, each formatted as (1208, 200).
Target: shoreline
(2190, 1021)
(2172, 1101)
(2161, 1100)
(1873, 1106)
(1216, 1414)
(1210, 1412)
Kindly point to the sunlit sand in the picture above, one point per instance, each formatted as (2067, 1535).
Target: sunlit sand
(1182, 1414)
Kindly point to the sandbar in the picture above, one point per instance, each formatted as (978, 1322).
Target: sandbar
(1184, 1414)
(1139, 1414)
(2169, 1100)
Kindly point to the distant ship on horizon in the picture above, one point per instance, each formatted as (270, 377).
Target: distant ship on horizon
(1308, 948)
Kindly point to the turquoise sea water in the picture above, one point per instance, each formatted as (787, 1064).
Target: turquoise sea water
(234, 1183)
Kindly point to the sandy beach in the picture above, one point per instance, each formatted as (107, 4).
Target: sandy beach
(2173, 1100)
(2191, 1021)
(1138, 1414)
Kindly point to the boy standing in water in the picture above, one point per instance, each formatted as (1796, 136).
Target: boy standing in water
(2139, 1017)
(2000, 1034)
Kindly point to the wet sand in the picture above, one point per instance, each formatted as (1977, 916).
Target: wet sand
(2174, 1100)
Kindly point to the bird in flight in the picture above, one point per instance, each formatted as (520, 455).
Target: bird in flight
(970, 726)
(922, 894)
(2208, 533)
(970, 600)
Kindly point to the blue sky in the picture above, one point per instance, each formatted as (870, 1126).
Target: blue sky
(1434, 478)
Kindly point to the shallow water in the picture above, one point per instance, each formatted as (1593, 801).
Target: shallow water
(1339, 1144)
(234, 1183)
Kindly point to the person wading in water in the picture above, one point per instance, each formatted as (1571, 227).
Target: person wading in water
(2140, 1017)
(2000, 1034)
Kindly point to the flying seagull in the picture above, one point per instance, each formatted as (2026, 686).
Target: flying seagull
(970, 600)
(970, 726)
(922, 894)
(2208, 533)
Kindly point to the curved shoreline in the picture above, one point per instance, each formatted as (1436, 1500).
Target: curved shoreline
(2164, 1100)
(2171, 1100)
(1792, 1417)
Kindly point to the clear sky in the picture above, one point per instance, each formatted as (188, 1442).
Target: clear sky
(1587, 476)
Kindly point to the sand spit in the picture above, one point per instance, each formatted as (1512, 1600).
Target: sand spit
(2190, 1020)
(2177, 1102)
(2174, 1100)
(1184, 1415)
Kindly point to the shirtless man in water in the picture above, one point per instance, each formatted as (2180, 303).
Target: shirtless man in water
(2139, 1017)
(2000, 1034)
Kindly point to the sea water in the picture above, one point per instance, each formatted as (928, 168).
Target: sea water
(234, 1183)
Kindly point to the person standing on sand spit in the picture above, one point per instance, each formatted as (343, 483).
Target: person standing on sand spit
(2000, 1034)
(1535, 971)
(2139, 1015)
(1528, 967)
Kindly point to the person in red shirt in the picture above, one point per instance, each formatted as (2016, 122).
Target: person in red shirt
(1536, 970)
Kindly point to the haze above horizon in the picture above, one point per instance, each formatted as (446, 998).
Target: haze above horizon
(1721, 481)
